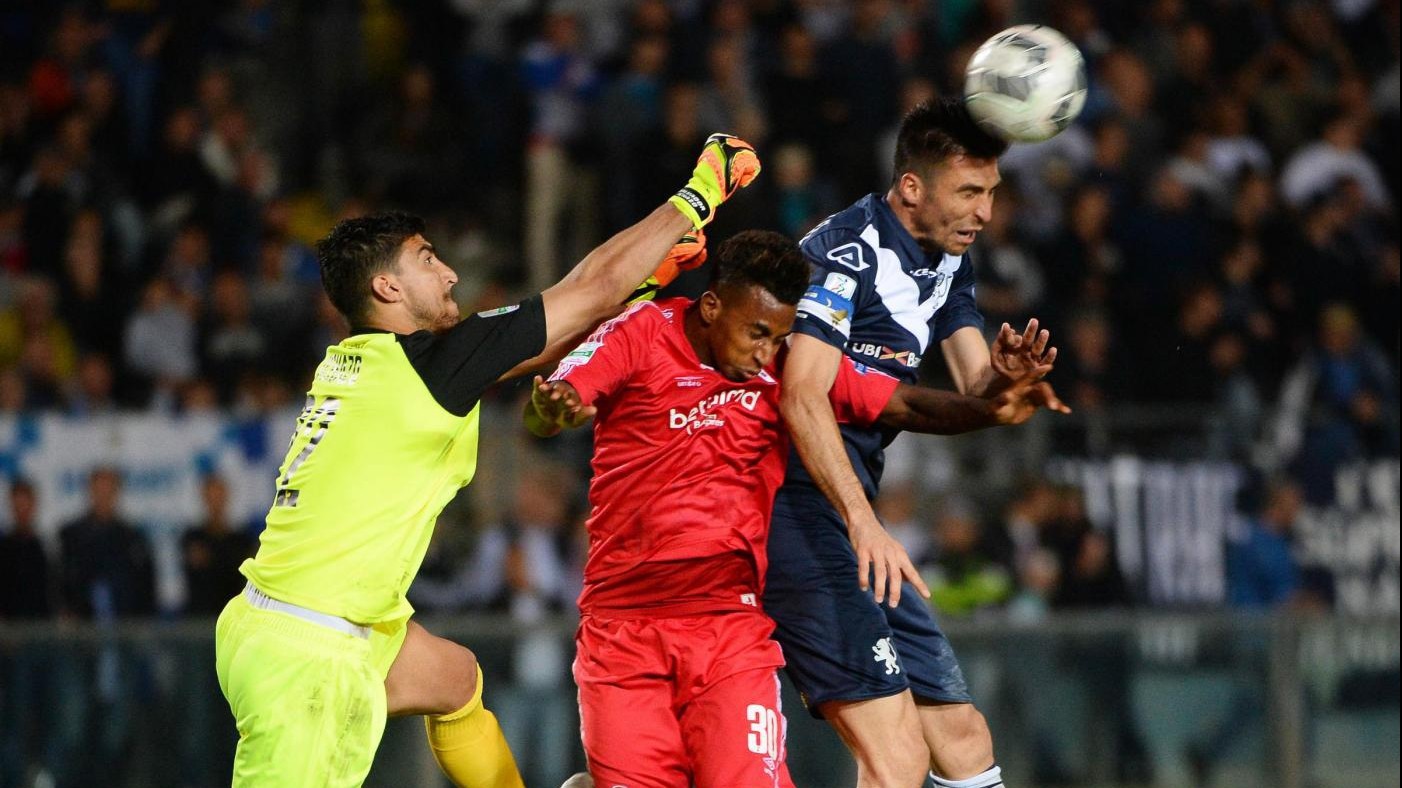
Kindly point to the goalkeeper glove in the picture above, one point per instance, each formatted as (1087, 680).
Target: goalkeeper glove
(688, 253)
(726, 164)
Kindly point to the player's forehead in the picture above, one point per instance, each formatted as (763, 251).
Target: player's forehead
(961, 169)
(414, 247)
(752, 304)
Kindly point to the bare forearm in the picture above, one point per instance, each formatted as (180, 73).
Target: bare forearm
(814, 432)
(937, 412)
(610, 272)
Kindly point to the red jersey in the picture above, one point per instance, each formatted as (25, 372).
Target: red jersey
(686, 465)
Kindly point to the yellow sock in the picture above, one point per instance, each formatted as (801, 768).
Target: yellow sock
(470, 747)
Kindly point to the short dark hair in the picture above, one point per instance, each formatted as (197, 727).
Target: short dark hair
(357, 249)
(764, 258)
(941, 129)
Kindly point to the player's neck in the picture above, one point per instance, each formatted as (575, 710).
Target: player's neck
(696, 335)
(398, 322)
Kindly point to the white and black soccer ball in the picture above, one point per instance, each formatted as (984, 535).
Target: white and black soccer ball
(1026, 84)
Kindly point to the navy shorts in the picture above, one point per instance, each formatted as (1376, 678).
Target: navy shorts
(838, 642)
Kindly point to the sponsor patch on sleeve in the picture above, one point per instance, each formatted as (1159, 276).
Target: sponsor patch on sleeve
(499, 311)
(828, 306)
(841, 285)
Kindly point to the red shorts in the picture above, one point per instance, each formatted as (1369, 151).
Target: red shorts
(672, 702)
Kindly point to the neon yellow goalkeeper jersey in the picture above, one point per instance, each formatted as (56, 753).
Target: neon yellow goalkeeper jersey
(386, 439)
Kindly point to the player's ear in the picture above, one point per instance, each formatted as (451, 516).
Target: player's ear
(910, 186)
(384, 287)
(709, 307)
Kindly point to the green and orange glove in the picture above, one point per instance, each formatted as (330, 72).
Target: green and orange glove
(688, 253)
(726, 165)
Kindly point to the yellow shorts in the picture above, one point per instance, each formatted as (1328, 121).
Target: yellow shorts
(309, 701)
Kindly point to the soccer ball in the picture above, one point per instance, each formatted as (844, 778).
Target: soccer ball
(1025, 84)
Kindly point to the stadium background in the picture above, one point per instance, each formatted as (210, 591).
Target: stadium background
(1213, 244)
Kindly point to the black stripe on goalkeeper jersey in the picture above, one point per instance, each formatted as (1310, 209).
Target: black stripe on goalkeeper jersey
(903, 302)
(459, 364)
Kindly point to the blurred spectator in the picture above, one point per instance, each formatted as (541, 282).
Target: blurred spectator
(1085, 262)
(177, 185)
(160, 338)
(562, 82)
(1338, 405)
(862, 75)
(1186, 374)
(1261, 571)
(410, 149)
(106, 575)
(25, 583)
(1335, 158)
(232, 347)
(37, 340)
(728, 100)
(212, 552)
(964, 577)
(92, 394)
(1262, 575)
(1011, 285)
(800, 198)
(899, 510)
(14, 394)
(106, 567)
(797, 97)
(1231, 149)
(1090, 578)
(629, 108)
(1092, 372)
(25, 595)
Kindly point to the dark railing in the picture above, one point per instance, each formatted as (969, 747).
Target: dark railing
(1110, 699)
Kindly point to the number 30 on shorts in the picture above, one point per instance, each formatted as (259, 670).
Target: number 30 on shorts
(764, 737)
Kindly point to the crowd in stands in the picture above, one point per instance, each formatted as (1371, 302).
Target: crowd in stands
(1218, 229)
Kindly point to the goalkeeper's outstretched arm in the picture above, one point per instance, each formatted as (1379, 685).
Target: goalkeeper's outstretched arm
(594, 289)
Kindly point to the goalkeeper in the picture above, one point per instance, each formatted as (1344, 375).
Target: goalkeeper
(319, 648)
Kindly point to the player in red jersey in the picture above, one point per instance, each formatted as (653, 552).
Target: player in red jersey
(677, 674)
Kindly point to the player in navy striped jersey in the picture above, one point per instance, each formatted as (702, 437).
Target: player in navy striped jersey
(892, 278)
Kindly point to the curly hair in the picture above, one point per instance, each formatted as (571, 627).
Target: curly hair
(357, 249)
(767, 259)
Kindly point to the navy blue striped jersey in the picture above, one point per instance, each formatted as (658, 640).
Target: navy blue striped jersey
(886, 302)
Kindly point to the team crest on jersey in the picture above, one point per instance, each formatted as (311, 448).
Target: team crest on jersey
(850, 255)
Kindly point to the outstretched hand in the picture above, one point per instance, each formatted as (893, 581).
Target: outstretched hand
(559, 404)
(1014, 355)
(1025, 395)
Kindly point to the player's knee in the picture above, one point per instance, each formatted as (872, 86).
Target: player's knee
(970, 744)
(971, 729)
(461, 675)
(895, 761)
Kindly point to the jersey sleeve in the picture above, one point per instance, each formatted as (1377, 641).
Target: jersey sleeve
(603, 362)
(459, 364)
(844, 276)
(860, 393)
(961, 308)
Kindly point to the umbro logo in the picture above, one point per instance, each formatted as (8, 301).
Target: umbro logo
(690, 382)
(850, 255)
